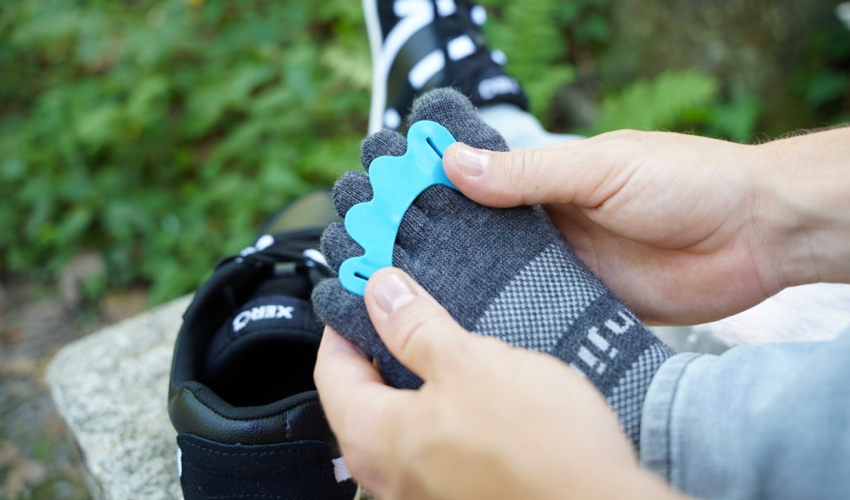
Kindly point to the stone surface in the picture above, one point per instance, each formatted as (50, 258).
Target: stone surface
(111, 389)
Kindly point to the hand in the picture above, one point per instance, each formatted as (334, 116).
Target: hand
(490, 421)
(684, 229)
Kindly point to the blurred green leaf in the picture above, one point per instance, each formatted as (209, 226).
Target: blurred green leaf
(656, 104)
(736, 120)
(827, 86)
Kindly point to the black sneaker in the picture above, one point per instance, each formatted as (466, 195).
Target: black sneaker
(418, 45)
(241, 396)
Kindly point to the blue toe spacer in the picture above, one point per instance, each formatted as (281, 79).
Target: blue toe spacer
(396, 182)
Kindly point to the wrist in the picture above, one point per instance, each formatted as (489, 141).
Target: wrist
(804, 206)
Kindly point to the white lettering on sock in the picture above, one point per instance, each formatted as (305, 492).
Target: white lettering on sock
(460, 47)
(425, 69)
(585, 355)
(618, 328)
(260, 313)
(601, 369)
(597, 340)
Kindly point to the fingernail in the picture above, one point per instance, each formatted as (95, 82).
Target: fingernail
(471, 161)
(392, 291)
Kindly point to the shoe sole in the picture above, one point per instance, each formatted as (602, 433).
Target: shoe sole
(379, 86)
(384, 52)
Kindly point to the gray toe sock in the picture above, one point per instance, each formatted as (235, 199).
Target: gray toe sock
(505, 273)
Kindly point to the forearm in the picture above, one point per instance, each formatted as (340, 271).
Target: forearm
(805, 203)
(752, 419)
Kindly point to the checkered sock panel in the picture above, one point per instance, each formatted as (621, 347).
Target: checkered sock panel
(505, 273)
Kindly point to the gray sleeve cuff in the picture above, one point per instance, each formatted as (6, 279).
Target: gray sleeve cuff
(655, 453)
(758, 421)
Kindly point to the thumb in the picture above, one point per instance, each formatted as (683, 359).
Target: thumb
(561, 173)
(414, 326)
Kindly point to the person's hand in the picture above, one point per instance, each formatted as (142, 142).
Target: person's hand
(490, 421)
(684, 229)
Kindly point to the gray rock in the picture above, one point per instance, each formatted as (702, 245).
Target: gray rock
(111, 390)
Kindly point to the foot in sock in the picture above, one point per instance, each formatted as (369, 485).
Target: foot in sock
(424, 44)
(505, 273)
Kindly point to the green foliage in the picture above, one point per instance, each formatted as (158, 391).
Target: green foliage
(683, 101)
(735, 119)
(657, 104)
(824, 83)
(161, 133)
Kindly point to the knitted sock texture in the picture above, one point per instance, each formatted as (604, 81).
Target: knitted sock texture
(505, 273)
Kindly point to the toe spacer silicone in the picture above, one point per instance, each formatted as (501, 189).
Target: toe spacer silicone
(396, 182)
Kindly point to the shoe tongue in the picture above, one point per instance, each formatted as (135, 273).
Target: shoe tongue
(273, 320)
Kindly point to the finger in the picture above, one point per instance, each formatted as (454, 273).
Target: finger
(414, 326)
(361, 410)
(345, 379)
(577, 171)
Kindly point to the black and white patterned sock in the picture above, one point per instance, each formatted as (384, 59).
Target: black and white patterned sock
(506, 273)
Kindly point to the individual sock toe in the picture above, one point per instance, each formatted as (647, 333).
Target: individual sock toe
(354, 321)
(414, 227)
(349, 190)
(454, 111)
(337, 245)
(346, 313)
(442, 204)
(383, 143)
